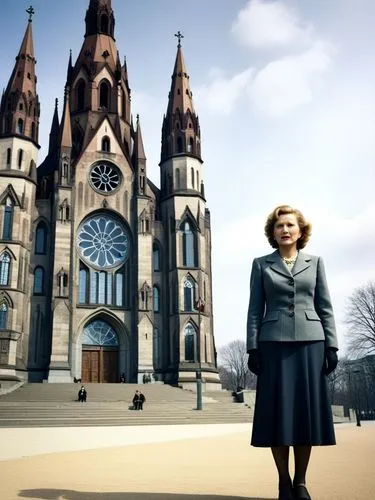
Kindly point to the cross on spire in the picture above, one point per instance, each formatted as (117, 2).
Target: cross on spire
(179, 35)
(31, 12)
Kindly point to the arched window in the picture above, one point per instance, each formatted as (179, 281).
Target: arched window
(33, 130)
(8, 221)
(41, 239)
(9, 156)
(39, 281)
(119, 287)
(81, 88)
(104, 22)
(178, 179)
(99, 332)
(156, 295)
(83, 284)
(106, 144)
(3, 316)
(20, 158)
(179, 145)
(189, 343)
(190, 145)
(104, 95)
(20, 126)
(156, 257)
(189, 246)
(5, 261)
(188, 294)
(197, 180)
(192, 177)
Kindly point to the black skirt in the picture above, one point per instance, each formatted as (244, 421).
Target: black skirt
(292, 405)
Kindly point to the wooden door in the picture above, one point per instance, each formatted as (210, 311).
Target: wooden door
(90, 366)
(99, 365)
(110, 366)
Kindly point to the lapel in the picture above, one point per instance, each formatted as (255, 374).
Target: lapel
(302, 263)
(277, 264)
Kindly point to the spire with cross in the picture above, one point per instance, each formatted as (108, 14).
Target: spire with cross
(31, 12)
(179, 35)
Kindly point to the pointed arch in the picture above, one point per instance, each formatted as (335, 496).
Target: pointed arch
(104, 94)
(41, 238)
(156, 256)
(20, 126)
(106, 144)
(3, 315)
(189, 243)
(189, 286)
(38, 281)
(190, 341)
(80, 94)
(5, 263)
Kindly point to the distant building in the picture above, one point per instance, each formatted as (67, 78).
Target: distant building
(101, 272)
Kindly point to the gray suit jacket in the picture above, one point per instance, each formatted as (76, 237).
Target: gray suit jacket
(289, 306)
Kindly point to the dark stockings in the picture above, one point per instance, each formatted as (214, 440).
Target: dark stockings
(301, 461)
(281, 457)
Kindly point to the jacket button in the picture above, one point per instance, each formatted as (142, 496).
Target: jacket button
(291, 315)
(291, 282)
(291, 295)
(291, 306)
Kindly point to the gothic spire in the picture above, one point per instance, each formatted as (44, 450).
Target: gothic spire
(55, 130)
(181, 132)
(99, 18)
(19, 111)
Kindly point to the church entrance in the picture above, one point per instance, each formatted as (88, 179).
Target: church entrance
(100, 352)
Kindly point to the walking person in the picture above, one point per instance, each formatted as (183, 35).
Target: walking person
(292, 347)
(136, 400)
(142, 399)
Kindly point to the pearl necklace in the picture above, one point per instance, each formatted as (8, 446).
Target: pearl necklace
(290, 261)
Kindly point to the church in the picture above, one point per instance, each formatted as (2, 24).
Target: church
(103, 275)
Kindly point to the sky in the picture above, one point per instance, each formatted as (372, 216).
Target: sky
(285, 93)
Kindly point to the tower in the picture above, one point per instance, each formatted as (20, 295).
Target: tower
(187, 227)
(19, 124)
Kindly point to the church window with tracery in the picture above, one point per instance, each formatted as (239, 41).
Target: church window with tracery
(3, 316)
(99, 332)
(189, 245)
(188, 294)
(189, 335)
(5, 261)
(41, 239)
(8, 221)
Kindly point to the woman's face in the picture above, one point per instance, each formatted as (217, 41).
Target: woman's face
(286, 231)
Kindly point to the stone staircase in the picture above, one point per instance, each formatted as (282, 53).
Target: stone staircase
(55, 405)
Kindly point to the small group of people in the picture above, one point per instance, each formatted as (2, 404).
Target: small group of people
(292, 347)
(138, 400)
(82, 394)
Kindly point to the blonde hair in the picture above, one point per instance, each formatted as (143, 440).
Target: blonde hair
(304, 226)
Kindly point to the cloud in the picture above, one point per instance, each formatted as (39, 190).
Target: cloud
(222, 94)
(262, 24)
(282, 85)
(285, 84)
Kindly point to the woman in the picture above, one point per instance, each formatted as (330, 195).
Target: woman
(292, 346)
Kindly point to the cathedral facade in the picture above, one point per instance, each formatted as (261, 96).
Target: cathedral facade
(103, 275)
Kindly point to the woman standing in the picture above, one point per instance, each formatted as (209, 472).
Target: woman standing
(292, 346)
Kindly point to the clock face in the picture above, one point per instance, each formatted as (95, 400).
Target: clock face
(105, 178)
(103, 241)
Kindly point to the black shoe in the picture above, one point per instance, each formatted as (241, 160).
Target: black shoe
(285, 492)
(301, 493)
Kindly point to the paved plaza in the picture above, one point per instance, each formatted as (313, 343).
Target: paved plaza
(207, 462)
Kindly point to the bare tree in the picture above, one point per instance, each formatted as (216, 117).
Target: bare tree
(360, 318)
(233, 357)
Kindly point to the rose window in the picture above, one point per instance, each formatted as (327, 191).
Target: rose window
(103, 241)
(105, 178)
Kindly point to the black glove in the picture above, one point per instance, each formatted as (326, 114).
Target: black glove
(331, 360)
(254, 362)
